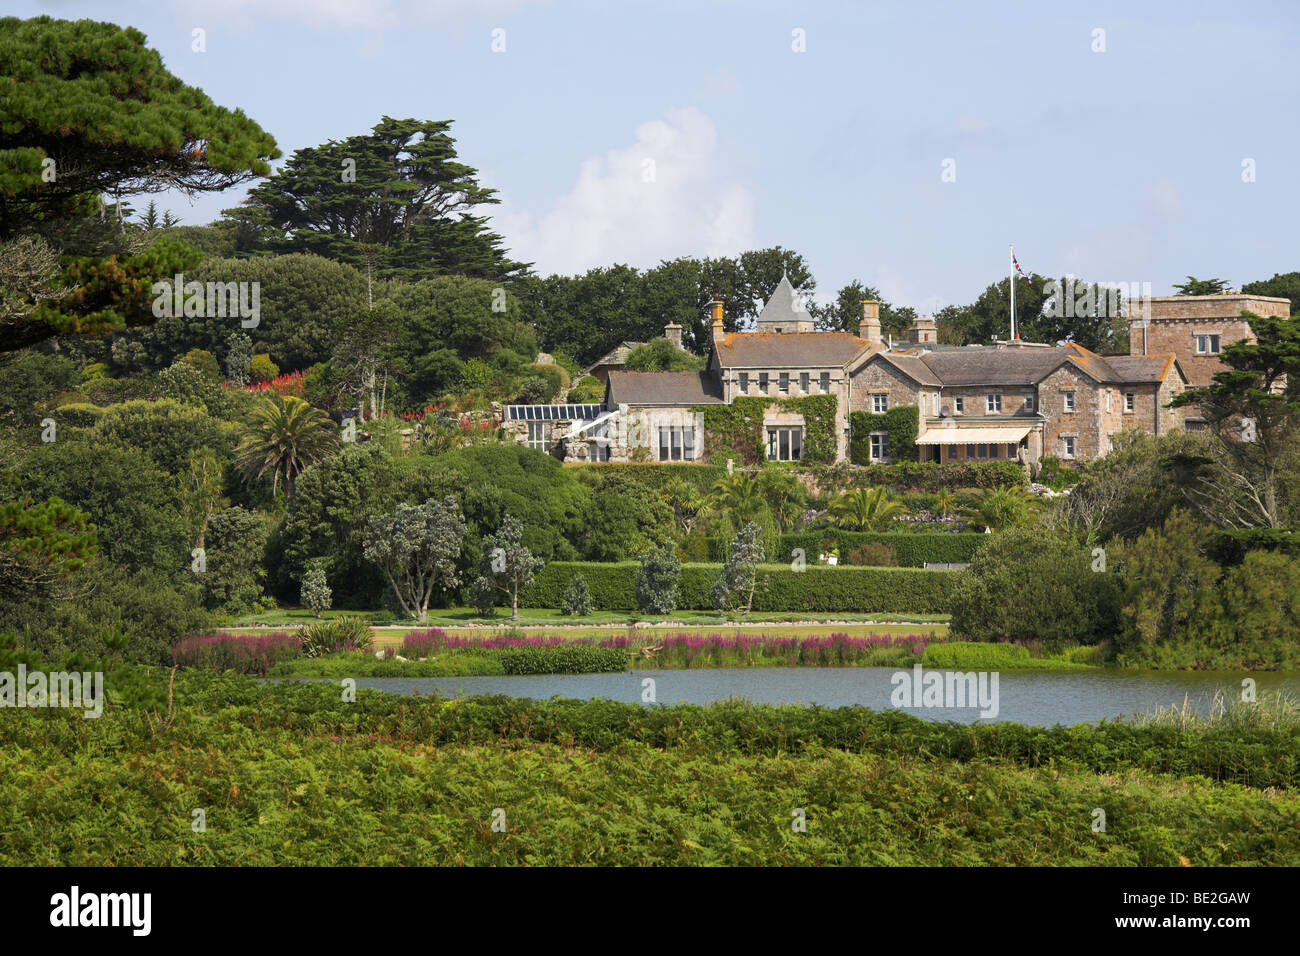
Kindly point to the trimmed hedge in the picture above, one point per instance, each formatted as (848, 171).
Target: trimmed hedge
(858, 590)
(567, 659)
(925, 475)
(657, 474)
(902, 424)
(912, 549)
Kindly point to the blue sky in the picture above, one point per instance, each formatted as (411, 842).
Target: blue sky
(1121, 166)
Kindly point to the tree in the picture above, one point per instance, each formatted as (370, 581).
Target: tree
(1094, 318)
(416, 547)
(866, 509)
(1002, 508)
(102, 116)
(1029, 584)
(149, 219)
(735, 586)
(168, 432)
(1195, 286)
(577, 598)
(785, 494)
(844, 312)
(1240, 482)
(397, 195)
(656, 580)
(507, 567)
(239, 358)
(42, 546)
(1282, 285)
(288, 436)
(235, 560)
(660, 355)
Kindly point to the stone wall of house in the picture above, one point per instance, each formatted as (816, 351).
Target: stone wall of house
(1084, 424)
(1179, 336)
(880, 377)
(1016, 399)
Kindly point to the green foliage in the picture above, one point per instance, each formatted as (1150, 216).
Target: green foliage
(168, 432)
(846, 590)
(1030, 584)
(417, 548)
(876, 554)
(507, 566)
(660, 355)
(622, 517)
(734, 589)
(901, 424)
(910, 549)
(1195, 286)
(235, 565)
(315, 593)
(577, 598)
(656, 580)
(565, 659)
(262, 369)
(587, 391)
(739, 427)
(864, 509)
(79, 415)
(335, 635)
(28, 379)
(959, 655)
(408, 208)
(925, 476)
(204, 361)
(287, 436)
(42, 546)
(1282, 286)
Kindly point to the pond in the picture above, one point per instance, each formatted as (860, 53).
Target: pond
(1026, 696)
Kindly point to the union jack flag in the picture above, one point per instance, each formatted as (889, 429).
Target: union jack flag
(1019, 271)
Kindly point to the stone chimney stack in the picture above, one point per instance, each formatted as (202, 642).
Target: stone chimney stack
(715, 307)
(673, 333)
(869, 326)
(923, 331)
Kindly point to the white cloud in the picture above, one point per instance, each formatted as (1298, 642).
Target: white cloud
(668, 194)
(348, 14)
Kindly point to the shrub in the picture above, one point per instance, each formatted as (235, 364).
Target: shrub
(566, 659)
(656, 581)
(78, 414)
(911, 549)
(316, 593)
(587, 391)
(205, 362)
(877, 554)
(262, 369)
(577, 598)
(337, 634)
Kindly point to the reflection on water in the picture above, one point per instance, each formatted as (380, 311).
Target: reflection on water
(1028, 697)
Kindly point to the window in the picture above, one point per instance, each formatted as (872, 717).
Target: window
(783, 383)
(676, 444)
(1067, 401)
(970, 451)
(880, 446)
(1107, 399)
(958, 405)
(762, 383)
(826, 383)
(744, 383)
(1067, 446)
(1029, 403)
(982, 450)
(879, 404)
(936, 403)
(784, 444)
(1207, 344)
(993, 401)
(803, 382)
(537, 436)
(1012, 448)
(1128, 401)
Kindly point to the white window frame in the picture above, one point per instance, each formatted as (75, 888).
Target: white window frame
(993, 403)
(879, 403)
(1029, 402)
(774, 433)
(958, 405)
(1207, 343)
(1130, 402)
(1069, 446)
(537, 438)
(878, 447)
(783, 383)
(803, 382)
(1067, 400)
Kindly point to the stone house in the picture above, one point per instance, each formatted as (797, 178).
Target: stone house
(1012, 400)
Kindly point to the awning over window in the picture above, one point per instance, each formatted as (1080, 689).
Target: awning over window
(971, 436)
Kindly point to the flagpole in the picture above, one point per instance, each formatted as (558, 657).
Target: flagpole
(1011, 278)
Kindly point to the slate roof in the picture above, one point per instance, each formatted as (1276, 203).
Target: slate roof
(662, 388)
(615, 356)
(788, 350)
(779, 308)
(1016, 365)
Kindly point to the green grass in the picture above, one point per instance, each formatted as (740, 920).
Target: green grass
(964, 656)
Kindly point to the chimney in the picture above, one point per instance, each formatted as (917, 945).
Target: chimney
(923, 331)
(673, 333)
(869, 326)
(715, 307)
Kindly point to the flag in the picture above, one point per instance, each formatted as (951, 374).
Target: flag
(1019, 271)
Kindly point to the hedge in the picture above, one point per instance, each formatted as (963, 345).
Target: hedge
(657, 474)
(911, 549)
(1230, 547)
(858, 590)
(901, 423)
(924, 476)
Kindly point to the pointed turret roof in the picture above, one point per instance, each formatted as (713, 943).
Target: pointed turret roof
(779, 306)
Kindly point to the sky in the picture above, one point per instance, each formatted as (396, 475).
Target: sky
(905, 145)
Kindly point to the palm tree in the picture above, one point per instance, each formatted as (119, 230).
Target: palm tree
(945, 502)
(1002, 508)
(785, 494)
(865, 509)
(288, 436)
(738, 496)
